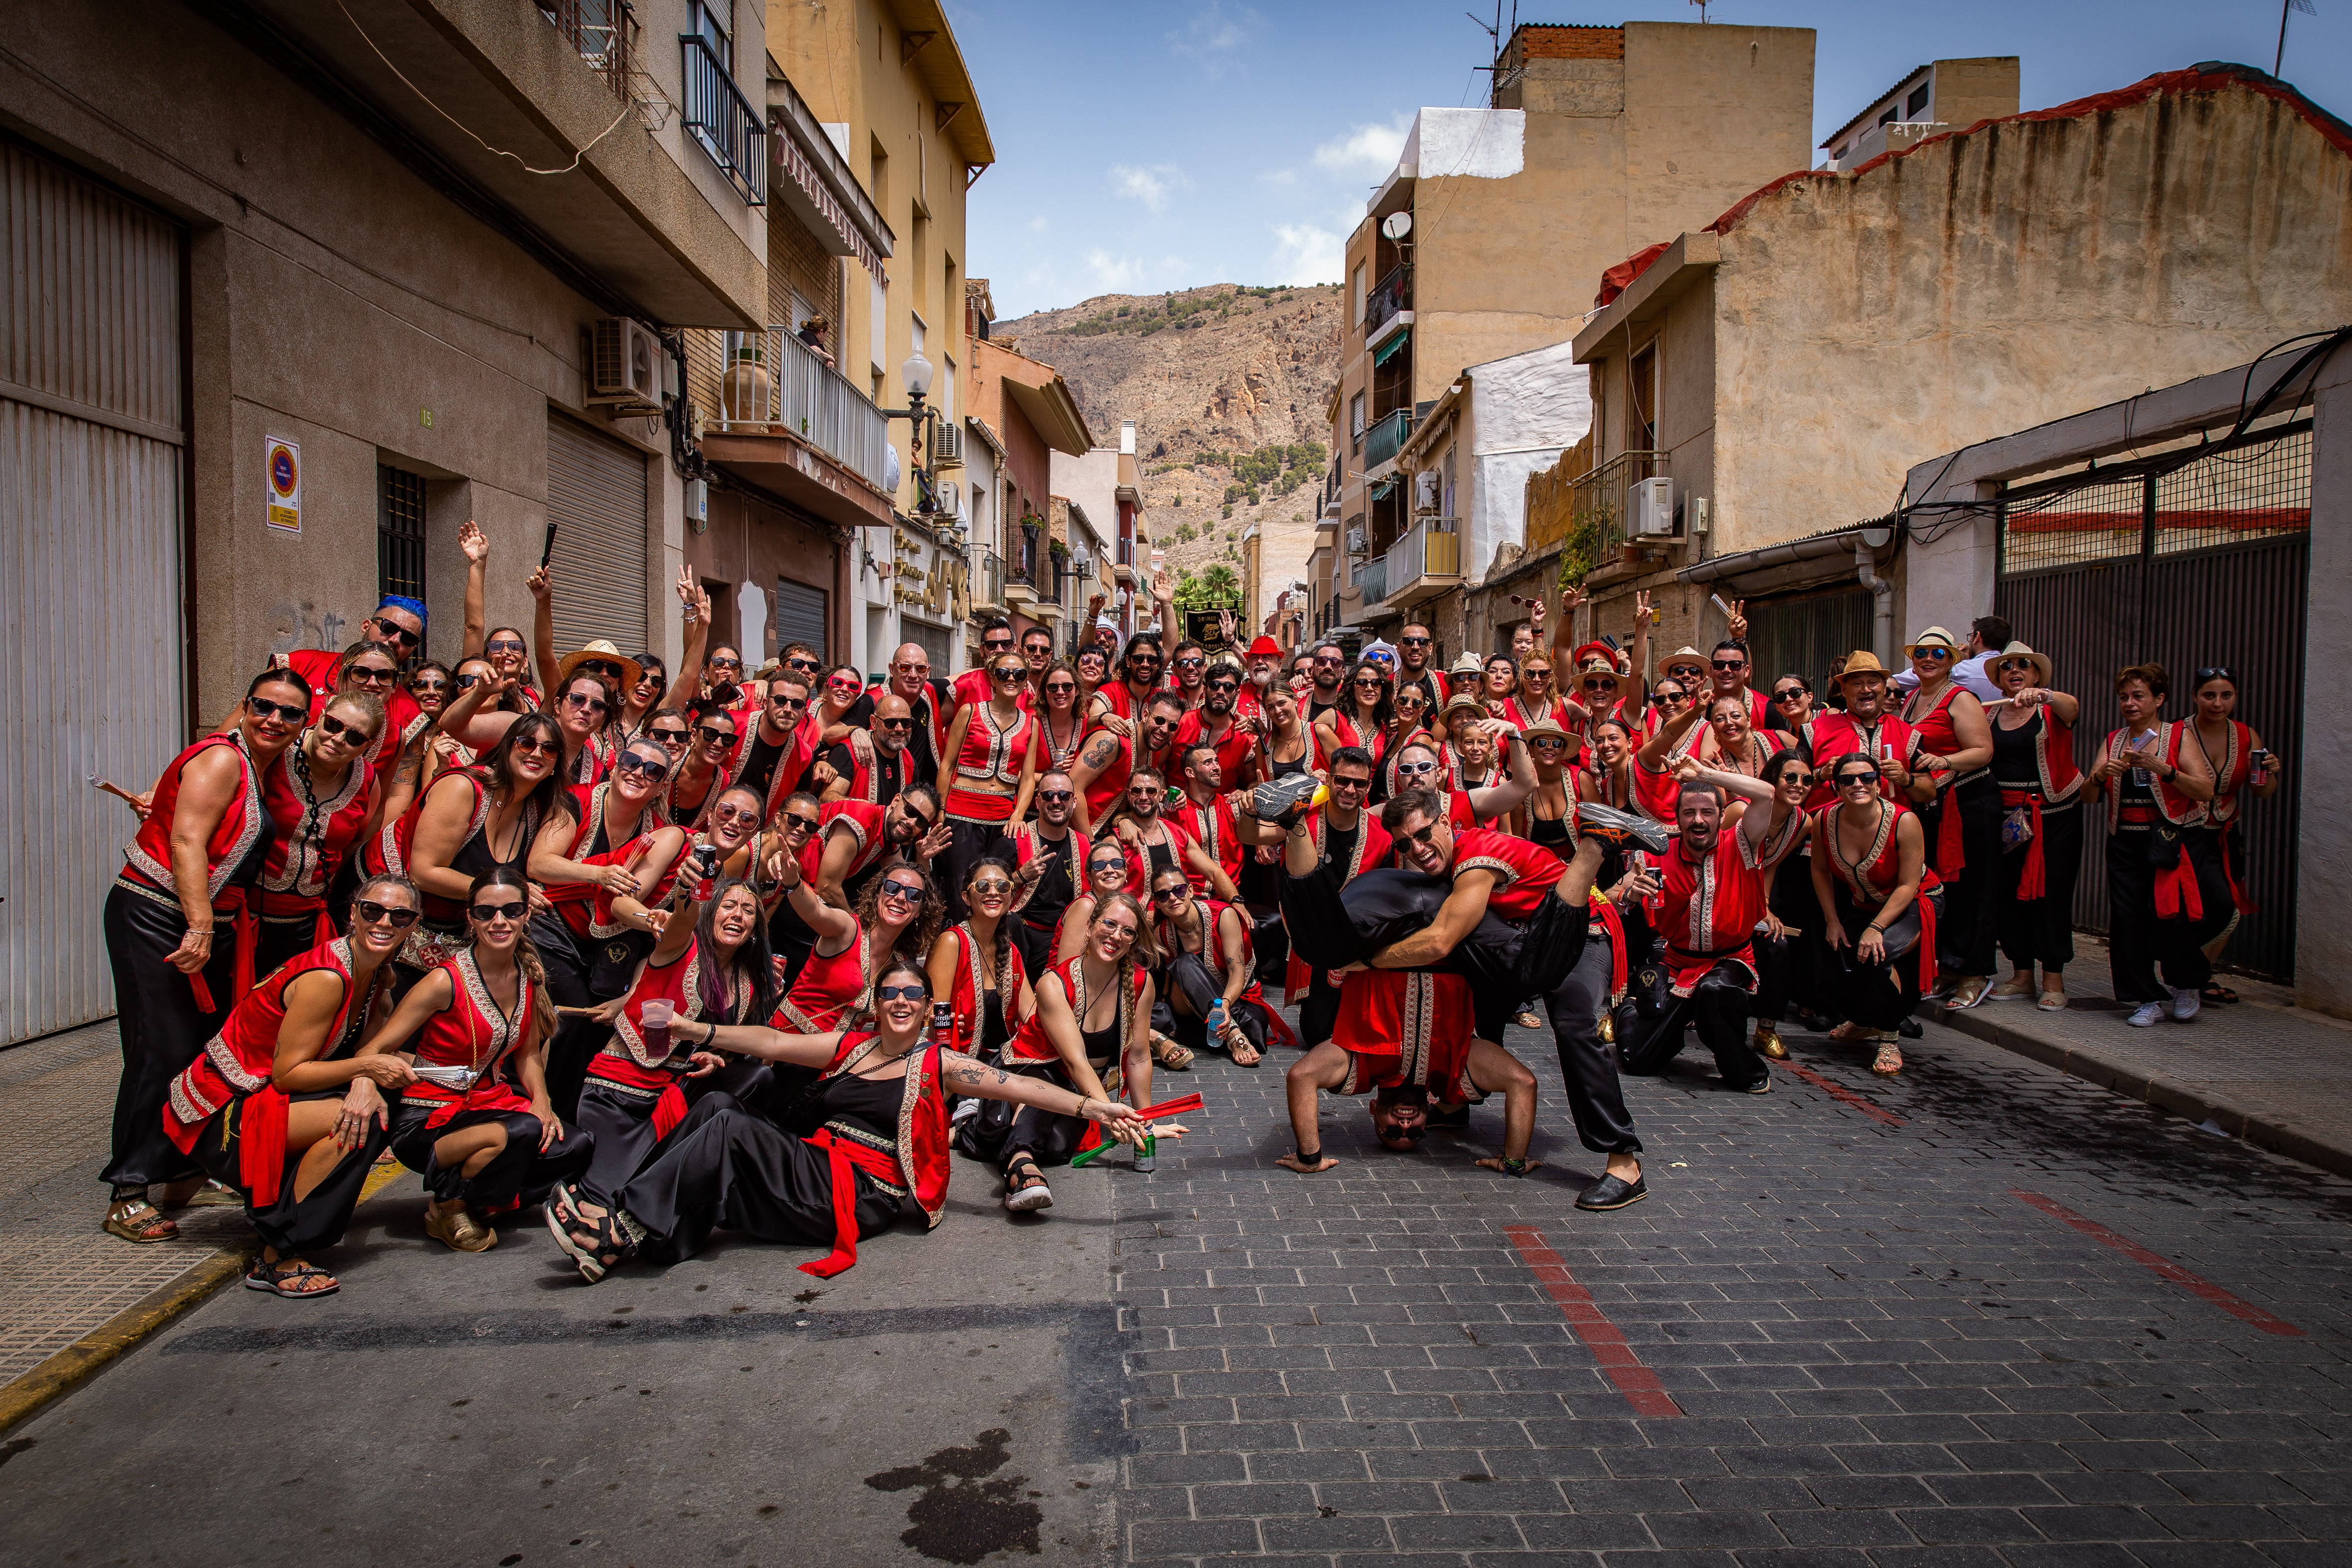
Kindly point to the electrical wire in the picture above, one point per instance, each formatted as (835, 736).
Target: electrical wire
(627, 104)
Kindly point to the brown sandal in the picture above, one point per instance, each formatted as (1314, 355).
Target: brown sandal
(457, 1228)
(1167, 1053)
(1889, 1061)
(138, 1221)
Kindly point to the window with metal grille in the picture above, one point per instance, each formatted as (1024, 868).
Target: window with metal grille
(399, 533)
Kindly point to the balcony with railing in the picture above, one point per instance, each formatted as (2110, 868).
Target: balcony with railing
(1424, 563)
(1392, 297)
(775, 385)
(1385, 438)
(987, 583)
(719, 117)
(1600, 512)
(602, 31)
(1122, 566)
(1371, 580)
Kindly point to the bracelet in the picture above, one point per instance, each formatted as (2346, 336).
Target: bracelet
(1518, 1167)
(1874, 929)
(200, 931)
(1083, 1101)
(713, 1035)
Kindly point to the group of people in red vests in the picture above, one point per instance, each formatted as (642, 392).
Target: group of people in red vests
(754, 950)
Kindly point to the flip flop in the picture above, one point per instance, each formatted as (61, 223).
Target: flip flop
(2214, 992)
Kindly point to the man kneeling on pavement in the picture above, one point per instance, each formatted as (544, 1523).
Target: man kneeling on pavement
(1495, 912)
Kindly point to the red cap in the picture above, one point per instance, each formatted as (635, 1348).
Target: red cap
(1265, 648)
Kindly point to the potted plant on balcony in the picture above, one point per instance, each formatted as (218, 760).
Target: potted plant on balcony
(744, 389)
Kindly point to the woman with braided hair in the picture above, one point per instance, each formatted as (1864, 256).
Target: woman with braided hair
(476, 1124)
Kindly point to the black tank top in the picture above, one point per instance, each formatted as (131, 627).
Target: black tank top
(2013, 766)
(868, 1105)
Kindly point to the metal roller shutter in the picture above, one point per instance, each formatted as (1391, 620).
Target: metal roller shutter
(89, 566)
(597, 499)
(801, 615)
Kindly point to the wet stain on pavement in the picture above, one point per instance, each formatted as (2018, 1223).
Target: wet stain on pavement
(959, 1517)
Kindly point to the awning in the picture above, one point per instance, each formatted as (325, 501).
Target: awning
(1382, 487)
(1389, 350)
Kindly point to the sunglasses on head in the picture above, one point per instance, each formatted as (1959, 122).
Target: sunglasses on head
(398, 633)
(489, 912)
(262, 708)
(631, 763)
(901, 993)
(374, 913)
(504, 644)
(587, 704)
(2210, 672)
(333, 728)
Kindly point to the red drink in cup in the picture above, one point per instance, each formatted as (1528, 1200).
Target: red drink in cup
(653, 1021)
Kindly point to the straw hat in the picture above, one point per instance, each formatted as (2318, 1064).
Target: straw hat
(1468, 664)
(1934, 637)
(1681, 655)
(631, 670)
(2019, 650)
(1859, 663)
(1466, 703)
(1546, 727)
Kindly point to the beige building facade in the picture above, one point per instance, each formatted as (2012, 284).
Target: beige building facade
(1780, 372)
(1485, 240)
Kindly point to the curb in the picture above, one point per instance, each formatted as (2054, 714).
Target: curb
(72, 1367)
(2260, 1128)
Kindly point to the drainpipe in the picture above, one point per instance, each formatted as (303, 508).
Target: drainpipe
(1881, 597)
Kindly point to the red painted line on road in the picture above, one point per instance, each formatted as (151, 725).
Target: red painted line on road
(1619, 1360)
(1843, 1093)
(2162, 1268)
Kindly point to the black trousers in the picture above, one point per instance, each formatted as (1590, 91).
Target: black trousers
(1965, 937)
(1187, 973)
(1650, 1021)
(517, 1173)
(621, 1120)
(2042, 931)
(1792, 969)
(2138, 943)
(283, 937)
(1046, 1136)
(1875, 995)
(294, 1227)
(568, 961)
(970, 844)
(1035, 942)
(1331, 928)
(161, 1028)
(1319, 1010)
(789, 939)
(724, 1168)
(1595, 1099)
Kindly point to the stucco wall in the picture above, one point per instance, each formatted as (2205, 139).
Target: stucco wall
(1988, 282)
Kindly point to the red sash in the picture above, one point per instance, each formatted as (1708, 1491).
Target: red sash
(846, 1155)
(2032, 882)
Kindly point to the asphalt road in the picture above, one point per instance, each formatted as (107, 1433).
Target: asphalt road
(1986, 1314)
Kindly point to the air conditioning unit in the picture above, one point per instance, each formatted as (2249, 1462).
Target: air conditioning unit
(1355, 541)
(950, 498)
(1425, 491)
(947, 445)
(1653, 506)
(625, 364)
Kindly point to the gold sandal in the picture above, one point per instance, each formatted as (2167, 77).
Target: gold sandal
(1889, 1061)
(1167, 1053)
(138, 1221)
(457, 1229)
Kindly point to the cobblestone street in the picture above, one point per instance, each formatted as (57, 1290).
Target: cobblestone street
(1984, 1314)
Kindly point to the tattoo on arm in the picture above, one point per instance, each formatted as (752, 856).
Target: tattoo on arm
(1101, 749)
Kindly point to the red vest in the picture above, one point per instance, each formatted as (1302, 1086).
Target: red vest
(149, 856)
(2177, 807)
(991, 750)
(1708, 909)
(2235, 765)
(471, 1033)
(1836, 734)
(1234, 747)
(1032, 1043)
(922, 1151)
(1217, 829)
(1523, 872)
(963, 1002)
(831, 990)
(311, 836)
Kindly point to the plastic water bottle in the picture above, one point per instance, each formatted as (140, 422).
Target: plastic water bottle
(1216, 1019)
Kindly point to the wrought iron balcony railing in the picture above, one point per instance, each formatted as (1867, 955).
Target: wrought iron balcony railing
(718, 115)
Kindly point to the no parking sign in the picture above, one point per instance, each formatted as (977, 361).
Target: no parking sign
(284, 471)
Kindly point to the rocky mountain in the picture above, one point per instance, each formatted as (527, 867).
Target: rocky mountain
(1227, 386)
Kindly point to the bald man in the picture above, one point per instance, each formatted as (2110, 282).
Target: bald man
(929, 699)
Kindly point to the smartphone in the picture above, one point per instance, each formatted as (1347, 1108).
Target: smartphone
(547, 550)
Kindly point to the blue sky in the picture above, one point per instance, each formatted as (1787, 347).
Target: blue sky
(1159, 145)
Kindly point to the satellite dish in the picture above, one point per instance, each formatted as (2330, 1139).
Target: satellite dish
(1396, 226)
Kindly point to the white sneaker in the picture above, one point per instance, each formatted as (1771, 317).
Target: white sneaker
(2149, 1014)
(2186, 1004)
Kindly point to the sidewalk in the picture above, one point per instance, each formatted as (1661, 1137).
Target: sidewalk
(61, 1276)
(2264, 1070)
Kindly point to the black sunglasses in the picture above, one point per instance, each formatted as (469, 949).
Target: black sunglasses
(901, 993)
(894, 723)
(487, 912)
(630, 762)
(997, 645)
(378, 914)
(1412, 642)
(1424, 837)
(670, 737)
(1056, 687)
(1788, 694)
(263, 709)
(398, 633)
(714, 734)
(2210, 672)
(803, 665)
(713, 663)
(1731, 664)
(910, 891)
(1171, 895)
(468, 682)
(1009, 674)
(371, 675)
(335, 727)
(604, 666)
(1056, 796)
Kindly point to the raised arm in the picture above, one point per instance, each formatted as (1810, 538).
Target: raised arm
(477, 546)
(1659, 746)
(697, 615)
(542, 630)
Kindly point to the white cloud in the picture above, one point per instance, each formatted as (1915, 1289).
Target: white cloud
(1308, 253)
(1037, 225)
(1365, 149)
(1115, 274)
(1214, 36)
(1148, 186)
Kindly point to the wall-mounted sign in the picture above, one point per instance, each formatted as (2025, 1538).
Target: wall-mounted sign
(284, 471)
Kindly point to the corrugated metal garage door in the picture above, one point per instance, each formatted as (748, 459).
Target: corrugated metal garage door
(800, 615)
(91, 434)
(597, 499)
